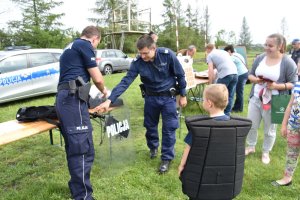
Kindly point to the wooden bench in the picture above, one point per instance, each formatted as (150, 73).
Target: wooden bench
(14, 130)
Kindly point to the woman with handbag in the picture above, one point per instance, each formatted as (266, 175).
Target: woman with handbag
(272, 73)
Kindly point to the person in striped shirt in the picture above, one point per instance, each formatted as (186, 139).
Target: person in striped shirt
(290, 130)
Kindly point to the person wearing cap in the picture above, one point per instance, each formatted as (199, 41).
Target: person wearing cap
(296, 54)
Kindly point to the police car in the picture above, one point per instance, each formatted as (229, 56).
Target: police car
(26, 72)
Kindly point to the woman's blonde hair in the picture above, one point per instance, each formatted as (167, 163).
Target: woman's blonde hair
(217, 94)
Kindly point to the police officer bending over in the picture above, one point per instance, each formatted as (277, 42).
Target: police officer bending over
(159, 70)
(77, 66)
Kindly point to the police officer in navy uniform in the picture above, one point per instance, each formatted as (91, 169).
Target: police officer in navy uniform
(160, 71)
(77, 66)
(296, 54)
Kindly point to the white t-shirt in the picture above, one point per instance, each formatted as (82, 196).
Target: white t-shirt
(267, 72)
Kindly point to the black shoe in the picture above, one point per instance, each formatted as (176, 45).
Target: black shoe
(164, 166)
(276, 184)
(153, 153)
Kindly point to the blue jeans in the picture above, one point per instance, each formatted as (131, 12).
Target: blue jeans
(239, 99)
(230, 81)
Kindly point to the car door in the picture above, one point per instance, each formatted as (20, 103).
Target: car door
(15, 78)
(45, 72)
(111, 55)
(124, 63)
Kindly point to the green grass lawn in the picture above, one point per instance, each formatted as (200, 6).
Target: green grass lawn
(33, 169)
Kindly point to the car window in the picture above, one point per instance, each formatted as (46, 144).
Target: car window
(101, 54)
(13, 63)
(108, 54)
(120, 54)
(56, 55)
(98, 54)
(38, 59)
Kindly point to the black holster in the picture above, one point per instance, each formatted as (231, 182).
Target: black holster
(173, 91)
(143, 90)
(83, 89)
(72, 87)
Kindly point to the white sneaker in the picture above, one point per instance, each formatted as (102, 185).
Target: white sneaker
(265, 158)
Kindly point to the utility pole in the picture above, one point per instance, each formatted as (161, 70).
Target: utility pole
(176, 27)
(129, 15)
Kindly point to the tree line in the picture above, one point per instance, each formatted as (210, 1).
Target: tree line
(40, 27)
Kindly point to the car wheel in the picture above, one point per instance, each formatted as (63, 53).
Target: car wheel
(107, 69)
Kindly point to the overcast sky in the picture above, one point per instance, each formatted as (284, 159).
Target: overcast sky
(263, 16)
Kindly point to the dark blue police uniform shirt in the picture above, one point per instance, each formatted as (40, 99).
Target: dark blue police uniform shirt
(188, 137)
(296, 56)
(157, 76)
(77, 57)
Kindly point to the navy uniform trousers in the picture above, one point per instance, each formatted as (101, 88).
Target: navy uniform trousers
(166, 106)
(76, 129)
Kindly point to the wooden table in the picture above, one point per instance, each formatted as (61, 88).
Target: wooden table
(196, 93)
